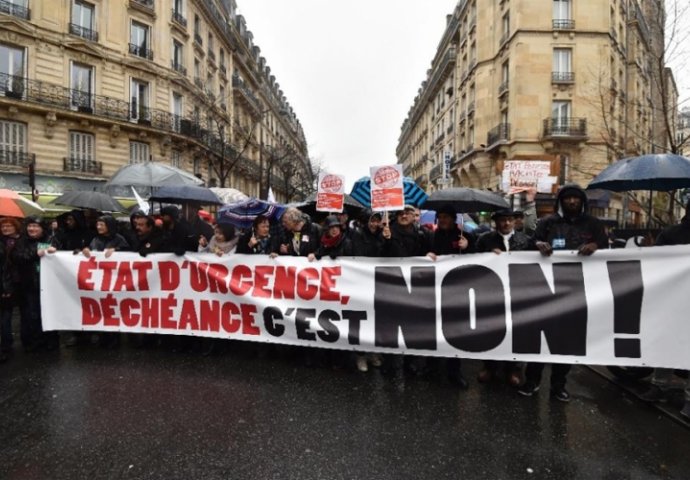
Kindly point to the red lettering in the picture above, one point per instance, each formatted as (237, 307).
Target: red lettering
(210, 315)
(261, 274)
(230, 325)
(328, 292)
(167, 305)
(108, 305)
(129, 318)
(284, 285)
(84, 274)
(217, 278)
(188, 316)
(142, 269)
(124, 278)
(90, 310)
(170, 275)
(107, 268)
(237, 285)
(305, 290)
(248, 327)
(150, 312)
(197, 276)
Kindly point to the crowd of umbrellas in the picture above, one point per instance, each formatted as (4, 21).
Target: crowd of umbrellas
(162, 183)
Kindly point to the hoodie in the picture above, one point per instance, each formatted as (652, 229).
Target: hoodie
(111, 239)
(570, 232)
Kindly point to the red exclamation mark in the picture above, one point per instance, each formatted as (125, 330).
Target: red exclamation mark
(627, 287)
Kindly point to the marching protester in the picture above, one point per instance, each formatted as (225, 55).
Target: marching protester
(222, 242)
(662, 379)
(9, 234)
(368, 242)
(148, 238)
(257, 240)
(107, 240)
(505, 238)
(569, 228)
(299, 236)
(448, 239)
(178, 232)
(73, 234)
(26, 259)
(334, 242)
(404, 238)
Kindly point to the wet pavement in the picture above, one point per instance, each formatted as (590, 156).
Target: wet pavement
(127, 413)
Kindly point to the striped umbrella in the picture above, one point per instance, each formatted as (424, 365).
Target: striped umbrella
(14, 205)
(414, 194)
(242, 214)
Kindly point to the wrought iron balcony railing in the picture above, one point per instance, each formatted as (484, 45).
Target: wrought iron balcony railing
(565, 127)
(498, 133)
(197, 39)
(141, 51)
(563, 24)
(178, 67)
(562, 77)
(18, 11)
(178, 18)
(71, 164)
(83, 32)
(503, 88)
(16, 159)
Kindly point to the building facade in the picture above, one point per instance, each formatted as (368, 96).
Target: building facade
(87, 86)
(510, 81)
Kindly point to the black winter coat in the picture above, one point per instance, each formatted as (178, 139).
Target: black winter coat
(675, 234)
(491, 241)
(445, 242)
(310, 236)
(367, 244)
(342, 249)
(404, 242)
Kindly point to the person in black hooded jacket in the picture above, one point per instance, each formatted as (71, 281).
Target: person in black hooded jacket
(570, 228)
(26, 258)
(72, 233)
(334, 242)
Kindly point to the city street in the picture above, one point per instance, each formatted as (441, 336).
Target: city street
(91, 413)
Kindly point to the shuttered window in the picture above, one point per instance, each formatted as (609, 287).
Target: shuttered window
(81, 146)
(138, 152)
(12, 136)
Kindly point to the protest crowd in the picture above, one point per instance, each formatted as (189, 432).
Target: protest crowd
(371, 234)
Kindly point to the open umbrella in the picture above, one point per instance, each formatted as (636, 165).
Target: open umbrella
(242, 214)
(89, 199)
(466, 200)
(229, 195)
(658, 172)
(186, 194)
(654, 172)
(428, 217)
(148, 176)
(351, 206)
(14, 205)
(414, 194)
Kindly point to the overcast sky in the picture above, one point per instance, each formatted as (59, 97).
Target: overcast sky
(351, 69)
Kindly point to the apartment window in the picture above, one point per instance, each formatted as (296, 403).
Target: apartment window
(197, 30)
(197, 71)
(139, 152)
(222, 59)
(81, 149)
(506, 28)
(560, 115)
(178, 7)
(83, 20)
(562, 16)
(196, 168)
(12, 142)
(16, 8)
(12, 70)
(140, 43)
(177, 110)
(210, 42)
(505, 77)
(177, 56)
(175, 158)
(140, 100)
(562, 66)
(221, 94)
(81, 86)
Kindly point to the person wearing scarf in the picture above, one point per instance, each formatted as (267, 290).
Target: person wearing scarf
(258, 239)
(334, 243)
(222, 242)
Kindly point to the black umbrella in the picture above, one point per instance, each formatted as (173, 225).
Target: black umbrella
(186, 194)
(351, 206)
(90, 199)
(466, 200)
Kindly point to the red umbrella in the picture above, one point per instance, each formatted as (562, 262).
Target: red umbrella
(14, 205)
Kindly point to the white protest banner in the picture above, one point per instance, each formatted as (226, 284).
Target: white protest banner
(387, 188)
(617, 307)
(519, 175)
(330, 195)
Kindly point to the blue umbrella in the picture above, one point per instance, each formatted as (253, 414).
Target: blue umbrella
(414, 195)
(186, 194)
(658, 172)
(242, 214)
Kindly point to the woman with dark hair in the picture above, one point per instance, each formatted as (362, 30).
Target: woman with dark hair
(258, 239)
(222, 242)
(26, 258)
